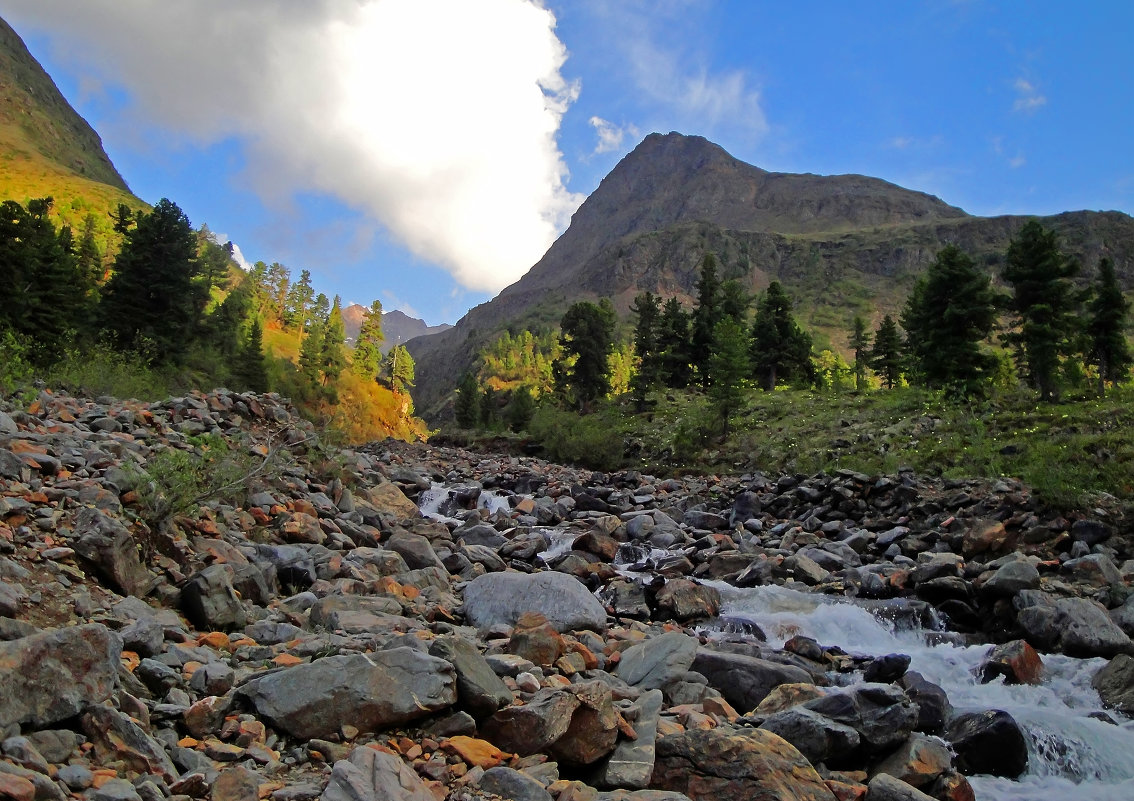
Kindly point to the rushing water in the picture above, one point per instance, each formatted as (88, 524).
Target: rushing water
(431, 501)
(1072, 756)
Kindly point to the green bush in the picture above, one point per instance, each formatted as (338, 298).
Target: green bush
(101, 370)
(588, 441)
(15, 369)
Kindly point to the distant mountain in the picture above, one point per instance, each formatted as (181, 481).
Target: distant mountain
(396, 325)
(842, 244)
(48, 149)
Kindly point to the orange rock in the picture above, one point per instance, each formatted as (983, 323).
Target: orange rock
(720, 709)
(102, 776)
(286, 660)
(189, 668)
(260, 516)
(474, 751)
(188, 742)
(130, 660)
(214, 639)
(240, 643)
(16, 788)
(842, 791)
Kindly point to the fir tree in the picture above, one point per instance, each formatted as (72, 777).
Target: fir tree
(251, 367)
(521, 408)
(649, 373)
(886, 355)
(781, 350)
(586, 337)
(1108, 350)
(860, 343)
(399, 368)
(729, 368)
(1044, 305)
(367, 359)
(332, 351)
(299, 299)
(310, 356)
(466, 407)
(488, 409)
(673, 344)
(948, 315)
(706, 314)
(88, 259)
(735, 301)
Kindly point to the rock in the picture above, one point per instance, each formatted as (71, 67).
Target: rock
(385, 498)
(367, 691)
(533, 727)
(210, 602)
(106, 543)
(116, 737)
(359, 614)
(593, 729)
(1076, 626)
(536, 640)
(933, 707)
(23, 752)
(696, 518)
(632, 762)
(882, 714)
(114, 790)
(1016, 661)
(657, 661)
(918, 761)
(1095, 569)
(1090, 532)
(479, 690)
(818, 738)
(717, 764)
(1115, 683)
(372, 775)
(886, 669)
(49, 677)
(1012, 577)
(500, 598)
(884, 787)
(685, 600)
(414, 549)
(512, 784)
(16, 788)
(984, 536)
(236, 783)
(744, 681)
(988, 742)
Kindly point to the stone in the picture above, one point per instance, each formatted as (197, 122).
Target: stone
(744, 681)
(1091, 532)
(918, 761)
(512, 784)
(106, 543)
(533, 727)
(1012, 577)
(535, 639)
(882, 714)
(386, 498)
(686, 600)
(593, 730)
(818, 738)
(23, 752)
(501, 598)
(933, 706)
(984, 536)
(479, 690)
(372, 775)
(474, 751)
(236, 783)
(367, 691)
(1016, 661)
(10, 600)
(1115, 683)
(116, 737)
(884, 787)
(210, 602)
(720, 763)
(632, 762)
(49, 677)
(988, 742)
(114, 790)
(657, 661)
(1075, 626)
(885, 669)
(415, 549)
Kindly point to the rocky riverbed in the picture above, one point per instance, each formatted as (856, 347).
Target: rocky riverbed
(544, 633)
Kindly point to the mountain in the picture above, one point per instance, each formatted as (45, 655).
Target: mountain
(843, 245)
(396, 325)
(49, 150)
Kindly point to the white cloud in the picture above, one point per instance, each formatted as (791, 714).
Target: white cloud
(1017, 161)
(1028, 97)
(237, 255)
(437, 118)
(610, 136)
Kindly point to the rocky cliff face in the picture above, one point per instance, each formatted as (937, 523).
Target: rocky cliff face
(844, 245)
(396, 326)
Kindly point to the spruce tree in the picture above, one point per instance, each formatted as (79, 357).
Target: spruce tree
(252, 368)
(1044, 306)
(88, 259)
(1109, 351)
(310, 357)
(153, 300)
(586, 340)
(521, 408)
(729, 368)
(886, 355)
(735, 301)
(399, 368)
(781, 350)
(949, 314)
(367, 359)
(673, 344)
(466, 407)
(649, 373)
(706, 314)
(332, 352)
(860, 343)
(299, 299)
(488, 408)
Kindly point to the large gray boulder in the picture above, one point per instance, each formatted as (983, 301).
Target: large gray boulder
(371, 775)
(210, 602)
(1075, 626)
(745, 681)
(1115, 683)
(367, 691)
(500, 598)
(882, 714)
(632, 762)
(480, 691)
(49, 677)
(654, 663)
(106, 543)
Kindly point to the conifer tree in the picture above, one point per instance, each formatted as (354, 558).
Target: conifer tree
(399, 368)
(252, 369)
(88, 259)
(153, 299)
(706, 314)
(310, 356)
(299, 299)
(735, 301)
(332, 351)
(781, 350)
(860, 343)
(586, 339)
(1108, 350)
(673, 344)
(521, 408)
(1044, 305)
(886, 355)
(950, 312)
(367, 359)
(649, 373)
(466, 407)
(729, 368)
(488, 408)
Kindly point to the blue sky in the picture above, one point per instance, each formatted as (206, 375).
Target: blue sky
(426, 152)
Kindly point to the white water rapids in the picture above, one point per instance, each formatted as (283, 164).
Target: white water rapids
(1071, 756)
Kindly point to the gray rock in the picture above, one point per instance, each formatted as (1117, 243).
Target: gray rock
(654, 663)
(210, 602)
(500, 598)
(114, 790)
(884, 787)
(1115, 683)
(104, 541)
(745, 681)
(145, 637)
(988, 742)
(632, 762)
(116, 737)
(358, 613)
(817, 737)
(1091, 532)
(56, 745)
(533, 727)
(1074, 626)
(414, 549)
(10, 599)
(479, 690)
(23, 752)
(370, 775)
(1011, 578)
(49, 677)
(512, 784)
(367, 691)
(7, 424)
(882, 714)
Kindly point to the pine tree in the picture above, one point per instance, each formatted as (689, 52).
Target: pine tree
(586, 337)
(466, 407)
(488, 408)
(1044, 305)
(1109, 350)
(152, 299)
(367, 359)
(649, 373)
(332, 352)
(735, 301)
(886, 355)
(673, 344)
(781, 350)
(399, 368)
(299, 299)
(521, 408)
(252, 368)
(706, 314)
(729, 368)
(948, 315)
(310, 356)
(860, 343)
(88, 259)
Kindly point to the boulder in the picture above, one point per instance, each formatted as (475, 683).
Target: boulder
(882, 714)
(385, 498)
(593, 729)
(366, 691)
(1010, 578)
(415, 549)
(1075, 626)
(632, 762)
(884, 787)
(480, 691)
(500, 598)
(49, 677)
(210, 602)
(372, 775)
(918, 761)
(1115, 683)
(512, 784)
(684, 600)
(817, 737)
(533, 727)
(744, 681)
(988, 742)
(723, 763)
(657, 661)
(1016, 661)
(933, 707)
(116, 737)
(110, 547)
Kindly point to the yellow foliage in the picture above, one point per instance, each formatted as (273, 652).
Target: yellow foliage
(368, 411)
